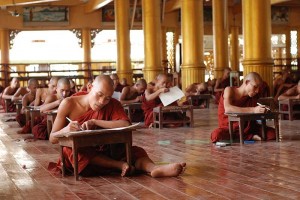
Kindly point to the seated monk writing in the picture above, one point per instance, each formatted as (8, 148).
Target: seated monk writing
(132, 94)
(221, 84)
(292, 93)
(27, 100)
(117, 86)
(98, 110)
(196, 89)
(42, 93)
(52, 102)
(151, 100)
(241, 100)
(9, 92)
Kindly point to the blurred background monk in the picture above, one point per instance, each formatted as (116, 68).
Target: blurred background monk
(242, 100)
(117, 86)
(151, 100)
(222, 83)
(42, 93)
(9, 92)
(52, 101)
(27, 100)
(98, 110)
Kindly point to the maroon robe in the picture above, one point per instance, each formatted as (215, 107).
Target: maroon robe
(112, 111)
(11, 106)
(119, 88)
(251, 127)
(39, 131)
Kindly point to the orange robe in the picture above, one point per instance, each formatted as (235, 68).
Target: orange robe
(251, 127)
(112, 111)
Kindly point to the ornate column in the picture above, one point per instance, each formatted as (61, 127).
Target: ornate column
(288, 47)
(4, 42)
(164, 48)
(86, 45)
(234, 48)
(123, 67)
(220, 36)
(192, 68)
(152, 39)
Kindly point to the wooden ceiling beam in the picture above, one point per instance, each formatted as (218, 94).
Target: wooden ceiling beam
(93, 5)
(279, 1)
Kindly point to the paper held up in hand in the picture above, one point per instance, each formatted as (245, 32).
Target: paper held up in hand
(95, 132)
(173, 95)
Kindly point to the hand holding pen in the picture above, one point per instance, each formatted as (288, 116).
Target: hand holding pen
(74, 122)
(264, 106)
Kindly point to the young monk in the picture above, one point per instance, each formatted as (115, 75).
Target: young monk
(242, 100)
(117, 86)
(42, 93)
(196, 89)
(97, 110)
(9, 92)
(28, 99)
(132, 94)
(222, 83)
(52, 102)
(151, 100)
(87, 87)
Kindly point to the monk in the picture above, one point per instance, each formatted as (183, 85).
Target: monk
(27, 100)
(292, 93)
(243, 100)
(124, 82)
(222, 83)
(132, 94)
(74, 88)
(42, 93)
(117, 86)
(283, 80)
(52, 102)
(97, 110)
(87, 87)
(151, 100)
(8, 94)
(196, 89)
(20, 94)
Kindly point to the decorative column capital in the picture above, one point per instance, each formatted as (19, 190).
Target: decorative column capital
(12, 35)
(78, 34)
(94, 33)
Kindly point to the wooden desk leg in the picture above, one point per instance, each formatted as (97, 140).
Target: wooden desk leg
(129, 114)
(241, 130)
(191, 117)
(231, 131)
(263, 123)
(62, 160)
(160, 119)
(128, 153)
(75, 159)
(276, 124)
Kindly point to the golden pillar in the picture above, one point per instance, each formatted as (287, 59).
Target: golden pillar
(220, 36)
(123, 67)
(86, 45)
(192, 68)
(164, 48)
(234, 49)
(257, 39)
(4, 42)
(152, 39)
(288, 47)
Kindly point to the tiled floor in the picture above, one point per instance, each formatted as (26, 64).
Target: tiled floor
(266, 170)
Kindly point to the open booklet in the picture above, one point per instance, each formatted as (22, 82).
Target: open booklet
(98, 131)
(173, 95)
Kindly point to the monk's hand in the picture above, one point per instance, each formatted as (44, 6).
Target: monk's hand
(259, 109)
(164, 90)
(88, 125)
(138, 99)
(74, 126)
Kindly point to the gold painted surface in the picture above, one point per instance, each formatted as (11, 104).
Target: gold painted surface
(234, 49)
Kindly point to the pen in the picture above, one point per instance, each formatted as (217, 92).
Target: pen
(77, 124)
(264, 106)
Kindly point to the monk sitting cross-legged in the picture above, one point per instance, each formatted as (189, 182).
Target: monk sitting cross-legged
(96, 110)
(151, 100)
(27, 100)
(132, 94)
(52, 102)
(242, 100)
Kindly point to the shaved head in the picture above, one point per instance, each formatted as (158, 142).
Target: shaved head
(53, 81)
(253, 76)
(141, 82)
(161, 76)
(103, 79)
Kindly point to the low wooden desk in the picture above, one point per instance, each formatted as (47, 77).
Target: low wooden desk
(290, 112)
(93, 138)
(132, 106)
(7, 102)
(31, 113)
(243, 117)
(187, 111)
(51, 115)
(198, 98)
(18, 106)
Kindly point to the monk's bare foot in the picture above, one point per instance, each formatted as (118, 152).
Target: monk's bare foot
(168, 170)
(256, 138)
(151, 125)
(127, 170)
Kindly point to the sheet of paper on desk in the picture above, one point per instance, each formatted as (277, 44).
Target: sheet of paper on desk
(173, 95)
(90, 132)
(116, 95)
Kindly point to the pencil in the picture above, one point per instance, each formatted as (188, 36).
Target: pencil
(264, 106)
(77, 124)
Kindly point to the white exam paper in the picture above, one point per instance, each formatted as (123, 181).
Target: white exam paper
(173, 95)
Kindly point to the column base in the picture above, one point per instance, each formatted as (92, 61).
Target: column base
(150, 74)
(192, 74)
(128, 74)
